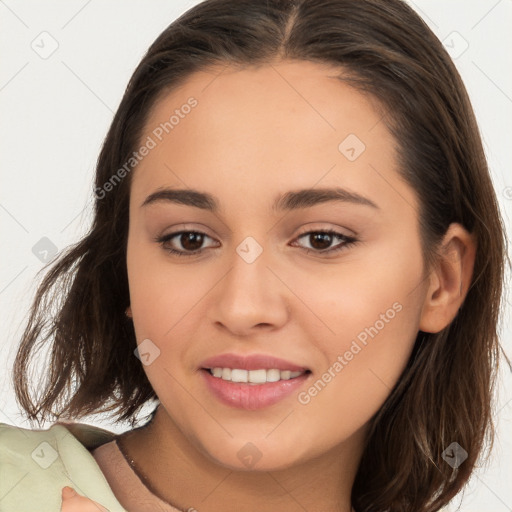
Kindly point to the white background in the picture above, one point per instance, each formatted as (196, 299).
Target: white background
(55, 111)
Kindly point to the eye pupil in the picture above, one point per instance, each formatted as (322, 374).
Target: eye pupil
(321, 240)
(191, 241)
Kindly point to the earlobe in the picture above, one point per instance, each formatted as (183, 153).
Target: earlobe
(128, 312)
(449, 280)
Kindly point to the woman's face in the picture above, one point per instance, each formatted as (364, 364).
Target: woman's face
(310, 261)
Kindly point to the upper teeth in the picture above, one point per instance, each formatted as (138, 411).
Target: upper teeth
(253, 376)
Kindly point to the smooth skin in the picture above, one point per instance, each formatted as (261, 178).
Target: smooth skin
(254, 135)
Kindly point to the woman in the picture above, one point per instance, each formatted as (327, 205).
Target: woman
(297, 251)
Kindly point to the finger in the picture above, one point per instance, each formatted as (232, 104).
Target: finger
(74, 502)
(68, 492)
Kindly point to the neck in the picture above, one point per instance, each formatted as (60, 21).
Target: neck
(174, 470)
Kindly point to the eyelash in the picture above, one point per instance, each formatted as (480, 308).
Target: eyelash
(347, 242)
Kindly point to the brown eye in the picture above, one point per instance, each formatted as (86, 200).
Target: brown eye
(191, 241)
(184, 243)
(321, 242)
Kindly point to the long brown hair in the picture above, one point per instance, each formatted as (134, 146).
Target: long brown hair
(384, 49)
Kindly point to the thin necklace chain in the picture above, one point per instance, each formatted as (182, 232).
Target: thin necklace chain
(143, 478)
(140, 474)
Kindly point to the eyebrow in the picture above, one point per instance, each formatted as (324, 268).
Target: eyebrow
(292, 200)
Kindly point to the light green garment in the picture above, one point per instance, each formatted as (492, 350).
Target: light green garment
(36, 464)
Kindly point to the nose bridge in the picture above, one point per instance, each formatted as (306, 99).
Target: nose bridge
(248, 281)
(249, 294)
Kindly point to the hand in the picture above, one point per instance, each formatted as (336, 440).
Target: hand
(74, 502)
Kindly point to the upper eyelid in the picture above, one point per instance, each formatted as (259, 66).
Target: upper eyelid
(169, 236)
(186, 227)
(307, 231)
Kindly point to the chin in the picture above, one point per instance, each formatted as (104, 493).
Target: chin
(259, 455)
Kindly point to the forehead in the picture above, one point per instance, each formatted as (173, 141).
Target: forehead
(266, 128)
(244, 98)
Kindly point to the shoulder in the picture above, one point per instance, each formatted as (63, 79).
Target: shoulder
(36, 464)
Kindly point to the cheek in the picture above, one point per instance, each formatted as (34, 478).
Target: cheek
(364, 297)
(361, 373)
(372, 312)
(160, 293)
(161, 298)
(168, 301)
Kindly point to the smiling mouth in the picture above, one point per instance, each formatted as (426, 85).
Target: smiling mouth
(255, 377)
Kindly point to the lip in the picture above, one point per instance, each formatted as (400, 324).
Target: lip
(251, 396)
(250, 362)
(248, 396)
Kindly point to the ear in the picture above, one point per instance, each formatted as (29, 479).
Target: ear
(449, 279)
(128, 312)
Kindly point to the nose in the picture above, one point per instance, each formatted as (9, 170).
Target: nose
(249, 298)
